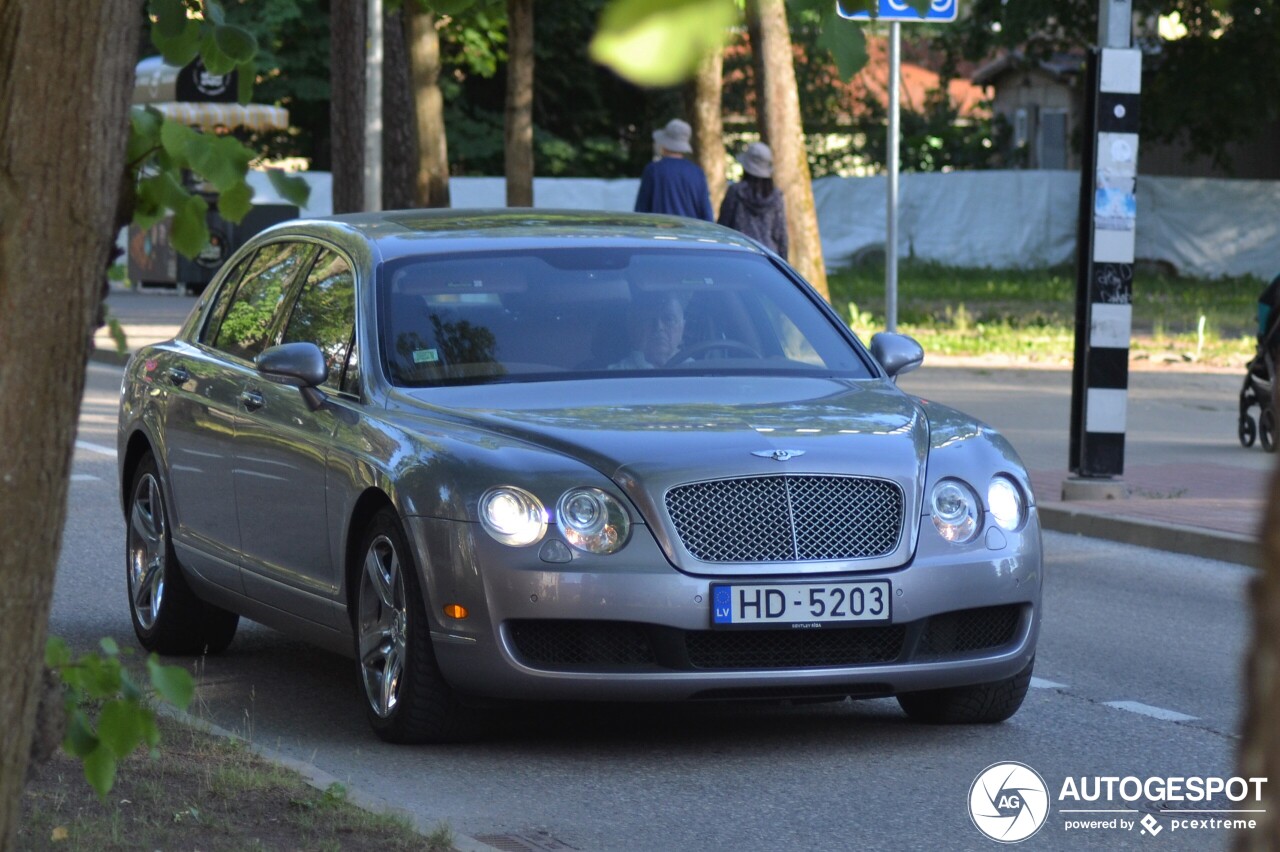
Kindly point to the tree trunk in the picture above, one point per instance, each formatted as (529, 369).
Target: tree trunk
(519, 114)
(346, 102)
(1260, 744)
(433, 146)
(758, 75)
(786, 138)
(64, 98)
(703, 97)
(399, 130)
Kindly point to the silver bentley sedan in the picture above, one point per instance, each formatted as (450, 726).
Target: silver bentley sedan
(536, 455)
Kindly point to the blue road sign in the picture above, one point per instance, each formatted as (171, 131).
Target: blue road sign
(939, 11)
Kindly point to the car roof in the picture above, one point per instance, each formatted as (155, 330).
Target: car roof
(399, 233)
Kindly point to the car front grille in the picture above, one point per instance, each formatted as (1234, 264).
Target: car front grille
(568, 645)
(787, 518)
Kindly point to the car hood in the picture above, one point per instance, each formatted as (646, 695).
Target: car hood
(649, 435)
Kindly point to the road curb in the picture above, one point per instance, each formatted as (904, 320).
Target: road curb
(1208, 544)
(321, 780)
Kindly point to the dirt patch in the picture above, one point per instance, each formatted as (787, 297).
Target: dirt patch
(202, 793)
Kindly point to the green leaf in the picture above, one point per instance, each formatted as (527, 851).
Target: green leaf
(100, 770)
(661, 42)
(100, 675)
(118, 336)
(170, 15)
(214, 59)
(57, 653)
(235, 203)
(293, 189)
(119, 726)
(847, 42)
(236, 43)
(221, 160)
(173, 683)
(177, 140)
(144, 133)
(150, 730)
(246, 76)
(180, 49)
(80, 740)
(213, 11)
(117, 272)
(109, 646)
(190, 235)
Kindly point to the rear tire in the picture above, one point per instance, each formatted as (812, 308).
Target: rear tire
(407, 699)
(982, 704)
(1267, 428)
(167, 616)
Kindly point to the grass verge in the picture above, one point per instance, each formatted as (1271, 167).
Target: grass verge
(203, 792)
(1029, 315)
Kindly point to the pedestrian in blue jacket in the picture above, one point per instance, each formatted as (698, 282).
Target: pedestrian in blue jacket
(671, 184)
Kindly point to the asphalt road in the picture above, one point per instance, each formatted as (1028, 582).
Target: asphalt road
(1138, 674)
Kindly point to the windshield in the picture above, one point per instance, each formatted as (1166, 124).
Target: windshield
(567, 313)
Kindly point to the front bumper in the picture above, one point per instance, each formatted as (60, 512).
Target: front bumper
(631, 627)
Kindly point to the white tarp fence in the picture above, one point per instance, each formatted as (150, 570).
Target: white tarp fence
(997, 219)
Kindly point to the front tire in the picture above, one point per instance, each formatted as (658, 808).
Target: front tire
(407, 699)
(983, 703)
(167, 616)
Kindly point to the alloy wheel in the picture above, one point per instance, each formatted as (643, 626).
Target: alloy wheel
(147, 551)
(383, 624)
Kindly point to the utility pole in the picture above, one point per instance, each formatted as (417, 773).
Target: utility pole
(373, 109)
(1104, 252)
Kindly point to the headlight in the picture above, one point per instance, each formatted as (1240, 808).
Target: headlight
(591, 520)
(512, 515)
(1005, 501)
(955, 510)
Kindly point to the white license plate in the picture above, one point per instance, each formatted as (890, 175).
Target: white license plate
(800, 605)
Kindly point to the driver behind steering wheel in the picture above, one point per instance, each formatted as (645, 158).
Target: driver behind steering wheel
(655, 328)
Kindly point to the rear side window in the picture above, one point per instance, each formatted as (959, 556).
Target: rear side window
(325, 312)
(251, 317)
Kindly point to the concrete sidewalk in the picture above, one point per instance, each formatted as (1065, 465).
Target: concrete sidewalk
(1191, 487)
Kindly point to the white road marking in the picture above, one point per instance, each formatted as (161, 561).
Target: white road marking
(1153, 712)
(96, 448)
(1041, 683)
(85, 477)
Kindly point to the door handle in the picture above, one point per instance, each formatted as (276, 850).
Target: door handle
(178, 375)
(252, 400)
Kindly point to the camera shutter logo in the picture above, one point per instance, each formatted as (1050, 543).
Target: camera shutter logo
(1008, 802)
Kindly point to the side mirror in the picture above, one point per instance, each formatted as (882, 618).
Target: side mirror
(298, 364)
(897, 353)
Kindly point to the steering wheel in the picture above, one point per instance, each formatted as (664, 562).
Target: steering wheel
(698, 349)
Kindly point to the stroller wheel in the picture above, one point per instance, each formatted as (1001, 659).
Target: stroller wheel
(1248, 430)
(1267, 429)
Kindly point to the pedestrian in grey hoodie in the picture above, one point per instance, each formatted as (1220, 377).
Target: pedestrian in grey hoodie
(754, 205)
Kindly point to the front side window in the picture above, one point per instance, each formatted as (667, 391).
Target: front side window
(325, 312)
(601, 312)
(251, 317)
(222, 299)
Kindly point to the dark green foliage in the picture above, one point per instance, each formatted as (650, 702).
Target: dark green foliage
(1217, 85)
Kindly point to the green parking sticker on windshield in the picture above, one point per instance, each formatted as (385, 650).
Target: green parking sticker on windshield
(426, 356)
